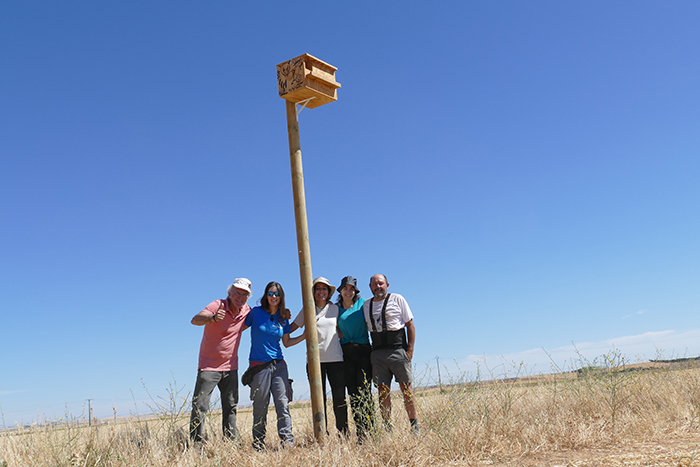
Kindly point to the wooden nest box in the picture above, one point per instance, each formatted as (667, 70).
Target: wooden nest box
(307, 77)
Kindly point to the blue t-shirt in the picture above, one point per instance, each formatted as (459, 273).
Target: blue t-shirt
(352, 324)
(265, 335)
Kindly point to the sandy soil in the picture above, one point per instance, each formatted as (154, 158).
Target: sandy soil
(677, 451)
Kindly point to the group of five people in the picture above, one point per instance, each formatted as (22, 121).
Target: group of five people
(348, 360)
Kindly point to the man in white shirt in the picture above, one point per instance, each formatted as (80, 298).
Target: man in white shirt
(390, 322)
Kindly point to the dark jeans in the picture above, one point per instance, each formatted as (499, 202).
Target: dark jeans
(358, 378)
(335, 373)
(227, 381)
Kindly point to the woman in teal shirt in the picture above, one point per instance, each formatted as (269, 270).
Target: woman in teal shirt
(354, 340)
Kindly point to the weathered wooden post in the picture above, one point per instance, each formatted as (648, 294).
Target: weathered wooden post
(308, 82)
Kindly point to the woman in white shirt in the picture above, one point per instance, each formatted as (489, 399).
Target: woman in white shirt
(329, 349)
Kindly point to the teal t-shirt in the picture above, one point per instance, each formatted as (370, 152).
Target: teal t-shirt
(352, 324)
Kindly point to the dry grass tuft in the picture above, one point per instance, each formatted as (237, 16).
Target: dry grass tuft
(609, 415)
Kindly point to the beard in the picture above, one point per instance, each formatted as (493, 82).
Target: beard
(379, 294)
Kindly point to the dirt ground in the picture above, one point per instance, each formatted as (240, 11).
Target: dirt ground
(677, 451)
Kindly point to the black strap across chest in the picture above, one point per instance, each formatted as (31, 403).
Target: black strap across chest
(371, 314)
(385, 339)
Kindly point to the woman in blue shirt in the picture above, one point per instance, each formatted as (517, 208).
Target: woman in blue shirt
(354, 340)
(267, 329)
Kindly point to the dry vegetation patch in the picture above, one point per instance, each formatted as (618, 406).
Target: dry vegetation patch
(608, 416)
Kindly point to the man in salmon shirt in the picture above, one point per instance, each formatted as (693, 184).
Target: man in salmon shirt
(223, 322)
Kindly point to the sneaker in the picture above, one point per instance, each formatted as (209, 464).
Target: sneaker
(415, 430)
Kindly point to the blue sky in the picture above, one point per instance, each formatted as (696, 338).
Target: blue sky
(525, 174)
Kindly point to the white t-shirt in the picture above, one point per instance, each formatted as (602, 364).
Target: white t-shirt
(329, 349)
(398, 313)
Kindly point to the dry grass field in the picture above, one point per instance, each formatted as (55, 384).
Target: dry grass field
(604, 415)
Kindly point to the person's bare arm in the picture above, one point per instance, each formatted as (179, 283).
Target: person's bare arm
(289, 341)
(204, 317)
(294, 325)
(411, 331)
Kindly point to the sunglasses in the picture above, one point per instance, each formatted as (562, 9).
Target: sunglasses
(273, 294)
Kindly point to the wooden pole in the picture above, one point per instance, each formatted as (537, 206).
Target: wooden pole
(312, 357)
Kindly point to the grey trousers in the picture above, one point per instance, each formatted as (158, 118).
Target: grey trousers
(273, 380)
(227, 381)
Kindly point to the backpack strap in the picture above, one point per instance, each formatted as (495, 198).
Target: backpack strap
(384, 328)
(371, 314)
(383, 332)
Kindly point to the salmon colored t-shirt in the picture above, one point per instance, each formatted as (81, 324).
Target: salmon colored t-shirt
(219, 348)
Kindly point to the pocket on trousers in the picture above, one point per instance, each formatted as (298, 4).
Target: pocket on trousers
(398, 355)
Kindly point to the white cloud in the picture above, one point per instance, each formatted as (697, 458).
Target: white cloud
(640, 312)
(642, 347)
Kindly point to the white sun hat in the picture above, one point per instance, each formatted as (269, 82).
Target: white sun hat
(323, 280)
(243, 284)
